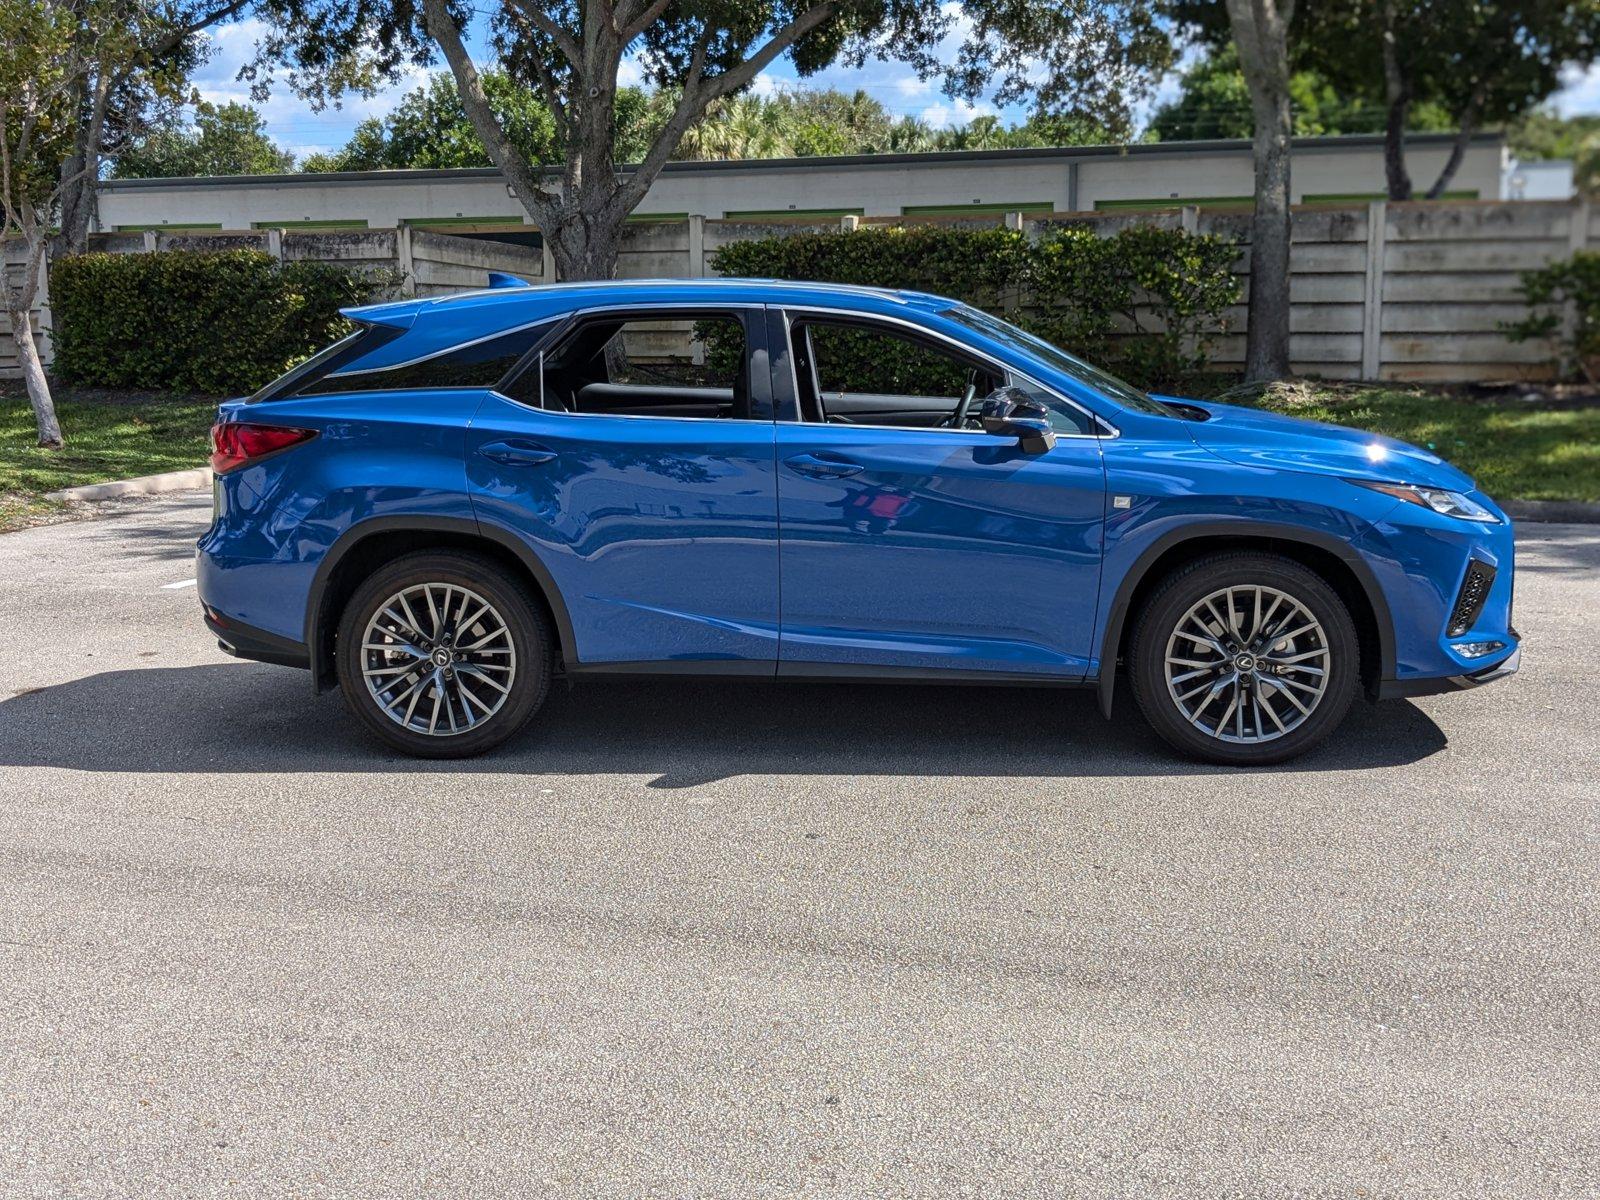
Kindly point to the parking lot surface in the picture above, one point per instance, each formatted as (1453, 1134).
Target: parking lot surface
(741, 940)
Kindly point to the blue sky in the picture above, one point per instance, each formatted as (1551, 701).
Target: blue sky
(293, 124)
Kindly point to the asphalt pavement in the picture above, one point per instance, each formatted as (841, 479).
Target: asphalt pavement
(690, 939)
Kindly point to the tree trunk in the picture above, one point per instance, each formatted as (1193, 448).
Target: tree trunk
(19, 305)
(44, 405)
(584, 249)
(78, 202)
(1397, 94)
(1458, 150)
(1260, 30)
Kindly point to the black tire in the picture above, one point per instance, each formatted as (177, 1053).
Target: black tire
(1171, 604)
(525, 645)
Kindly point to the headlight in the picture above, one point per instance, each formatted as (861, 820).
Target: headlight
(1448, 504)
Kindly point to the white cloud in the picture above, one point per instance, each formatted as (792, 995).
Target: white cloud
(1580, 91)
(290, 121)
(944, 114)
(629, 73)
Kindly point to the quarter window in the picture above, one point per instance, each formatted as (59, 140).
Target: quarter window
(479, 364)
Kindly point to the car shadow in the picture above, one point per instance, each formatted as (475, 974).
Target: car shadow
(248, 717)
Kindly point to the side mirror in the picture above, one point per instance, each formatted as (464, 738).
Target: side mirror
(1011, 412)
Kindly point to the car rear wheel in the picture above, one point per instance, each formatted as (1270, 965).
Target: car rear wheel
(1244, 659)
(443, 655)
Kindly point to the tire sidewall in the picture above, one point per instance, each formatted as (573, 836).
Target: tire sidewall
(529, 638)
(1188, 587)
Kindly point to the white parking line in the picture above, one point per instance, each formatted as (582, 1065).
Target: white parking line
(182, 583)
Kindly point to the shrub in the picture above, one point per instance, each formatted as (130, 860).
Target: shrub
(219, 322)
(1145, 301)
(1550, 292)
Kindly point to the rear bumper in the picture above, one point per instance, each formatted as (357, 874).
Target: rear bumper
(1396, 689)
(246, 641)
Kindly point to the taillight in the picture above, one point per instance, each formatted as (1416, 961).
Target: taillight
(238, 444)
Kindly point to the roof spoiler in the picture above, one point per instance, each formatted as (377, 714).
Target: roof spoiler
(394, 314)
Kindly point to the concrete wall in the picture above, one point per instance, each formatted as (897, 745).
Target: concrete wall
(1413, 291)
(1060, 180)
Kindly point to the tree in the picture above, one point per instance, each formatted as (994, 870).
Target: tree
(1484, 61)
(1090, 57)
(139, 93)
(1544, 133)
(1462, 65)
(228, 139)
(48, 50)
(429, 128)
(1261, 34)
(1214, 102)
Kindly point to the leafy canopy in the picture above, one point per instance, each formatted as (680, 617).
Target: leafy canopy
(1214, 102)
(227, 139)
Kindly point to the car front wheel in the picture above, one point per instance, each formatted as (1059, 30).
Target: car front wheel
(441, 654)
(1244, 659)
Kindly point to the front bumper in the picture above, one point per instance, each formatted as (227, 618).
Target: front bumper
(1397, 689)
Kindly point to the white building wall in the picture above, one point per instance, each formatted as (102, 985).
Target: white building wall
(876, 187)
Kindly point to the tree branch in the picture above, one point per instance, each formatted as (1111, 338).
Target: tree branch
(181, 33)
(1458, 150)
(633, 26)
(699, 93)
(543, 22)
(519, 173)
(736, 77)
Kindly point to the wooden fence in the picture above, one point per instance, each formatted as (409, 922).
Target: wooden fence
(1414, 291)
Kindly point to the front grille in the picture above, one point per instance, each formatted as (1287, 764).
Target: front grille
(1474, 591)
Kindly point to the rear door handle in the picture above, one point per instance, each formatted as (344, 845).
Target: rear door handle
(823, 466)
(517, 452)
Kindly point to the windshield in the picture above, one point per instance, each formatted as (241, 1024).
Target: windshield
(1008, 334)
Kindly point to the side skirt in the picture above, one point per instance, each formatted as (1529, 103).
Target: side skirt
(852, 672)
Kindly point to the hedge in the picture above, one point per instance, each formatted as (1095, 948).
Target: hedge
(1145, 302)
(221, 322)
(1563, 299)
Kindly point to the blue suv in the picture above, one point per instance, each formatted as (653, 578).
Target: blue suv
(472, 494)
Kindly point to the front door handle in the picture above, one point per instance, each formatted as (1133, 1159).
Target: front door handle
(517, 452)
(823, 466)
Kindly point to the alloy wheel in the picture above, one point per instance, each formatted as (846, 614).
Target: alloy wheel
(1247, 664)
(438, 659)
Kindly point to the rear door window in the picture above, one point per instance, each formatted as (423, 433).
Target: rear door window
(680, 363)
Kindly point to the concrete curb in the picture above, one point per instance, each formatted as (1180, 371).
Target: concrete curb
(1572, 512)
(145, 485)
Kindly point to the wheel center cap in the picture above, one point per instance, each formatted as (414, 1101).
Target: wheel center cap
(441, 657)
(1245, 662)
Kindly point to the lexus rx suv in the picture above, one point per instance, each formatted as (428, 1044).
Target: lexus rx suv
(473, 494)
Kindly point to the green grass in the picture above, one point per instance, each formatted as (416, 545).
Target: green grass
(1516, 450)
(109, 435)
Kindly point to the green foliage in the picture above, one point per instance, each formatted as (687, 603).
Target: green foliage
(1545, 133)
(1550, 293)
(430, 129)
(1145, 301)
(195, 320)
(1213, 102)
(228, 139)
